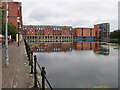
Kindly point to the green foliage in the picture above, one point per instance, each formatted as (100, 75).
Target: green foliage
(12, 30)
(115, 34)
(1, 14)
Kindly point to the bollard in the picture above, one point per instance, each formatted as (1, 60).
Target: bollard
(31, 62)
(43, 72)
(35, 72)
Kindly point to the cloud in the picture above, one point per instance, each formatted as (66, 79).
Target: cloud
(71, 12)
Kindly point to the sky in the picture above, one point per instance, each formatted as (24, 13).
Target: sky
(76, 13)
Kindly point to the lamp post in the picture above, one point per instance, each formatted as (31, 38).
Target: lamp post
(18, 20)
(6, 35)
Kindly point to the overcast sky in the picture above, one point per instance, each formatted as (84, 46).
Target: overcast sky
(76, 13)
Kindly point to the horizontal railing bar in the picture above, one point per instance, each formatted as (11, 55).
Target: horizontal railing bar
(28, 49)
(39, 66)
(45, 76)
(48, 83)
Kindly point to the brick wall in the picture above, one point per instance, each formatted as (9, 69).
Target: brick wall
(48, 31)
(13, 12)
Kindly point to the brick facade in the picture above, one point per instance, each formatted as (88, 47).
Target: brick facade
(14, 11)
(87, 33)
(60, 32)
(49, 33)
(48, 30)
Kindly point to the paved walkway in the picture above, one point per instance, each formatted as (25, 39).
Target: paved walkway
(17, 73)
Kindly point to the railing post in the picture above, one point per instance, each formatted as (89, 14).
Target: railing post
(43, 72)
(31, 62)
(29, 55)
(26, 47)
(35, 72)
(28, 59)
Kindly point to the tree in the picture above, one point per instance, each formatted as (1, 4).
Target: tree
(115, 34)
(1, 19)
(12, 30)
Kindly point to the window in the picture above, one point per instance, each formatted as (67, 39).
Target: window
(65, 28)
(90, 32)
(82, 31)
(49, 28)
(48, 32)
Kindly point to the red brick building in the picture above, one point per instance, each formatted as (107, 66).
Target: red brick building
(14, 12)
(39, 33)
(87, 33)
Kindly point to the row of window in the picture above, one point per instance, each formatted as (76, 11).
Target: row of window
(49, 37)
(91, 33)
(34, 41)
(54, 33)
(41, 28)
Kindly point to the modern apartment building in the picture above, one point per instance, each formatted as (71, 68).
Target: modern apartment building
(104, 31)
(14, 12)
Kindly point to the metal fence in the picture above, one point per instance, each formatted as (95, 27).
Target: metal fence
(37, 70)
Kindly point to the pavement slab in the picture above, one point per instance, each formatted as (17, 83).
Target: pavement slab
(17, 73)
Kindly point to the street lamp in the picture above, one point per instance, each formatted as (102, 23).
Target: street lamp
(6, 35)
(18, 20)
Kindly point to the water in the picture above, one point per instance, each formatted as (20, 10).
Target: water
(78, 64)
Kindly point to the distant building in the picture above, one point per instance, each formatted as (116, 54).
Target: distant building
(87, 33)
(14, 12)
(39, 33)
(104, 31)
(42, 33)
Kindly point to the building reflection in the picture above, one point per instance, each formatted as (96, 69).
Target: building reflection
(104, 49)
(52, 47)
(98, 48)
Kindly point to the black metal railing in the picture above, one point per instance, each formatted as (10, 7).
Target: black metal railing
(36, 69)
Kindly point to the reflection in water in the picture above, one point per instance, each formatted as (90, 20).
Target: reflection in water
(52, 47)
(98, 48)
(78, 64)
(104, 49)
